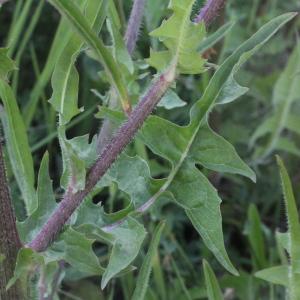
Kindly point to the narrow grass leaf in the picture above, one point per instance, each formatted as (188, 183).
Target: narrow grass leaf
(144, 274)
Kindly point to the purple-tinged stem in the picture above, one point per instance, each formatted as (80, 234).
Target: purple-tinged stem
(9, 239)
(110, 153)
(210, 11)
(130, 38)
(134, 24)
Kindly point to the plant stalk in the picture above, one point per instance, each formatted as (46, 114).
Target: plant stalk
(9, 239)
(209, 11)
(131, 36)
(134, 24)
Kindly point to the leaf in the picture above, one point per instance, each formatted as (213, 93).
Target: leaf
(46, 204)
(140, 186)
(77, 155)
(7, 65)
(128, 239)
(171, 100)
(18, 146)
(212, 286)
(232, 64)
(144, 274)
(292, 123)
(293, 232)
(256, 238)
(62, 36)
(78, 252)
(190, 188)
(215, 37)
(27, 260)
(181, 37)
(65, 78)
(275, 275)
(286, 92)
(287, 145)
(81, 25)
(65, 82)
(119, 49)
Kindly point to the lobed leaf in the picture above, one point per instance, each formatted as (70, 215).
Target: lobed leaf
(202, 204)
(181, 37)
(128, 239)
(45, 206)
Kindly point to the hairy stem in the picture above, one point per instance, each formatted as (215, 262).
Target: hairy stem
(110, 153)
(130, 38)
(210, 11)
(121, 139)
(134, 24)
(9, 239)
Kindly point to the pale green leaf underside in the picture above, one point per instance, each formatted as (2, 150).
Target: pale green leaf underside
(128, 239)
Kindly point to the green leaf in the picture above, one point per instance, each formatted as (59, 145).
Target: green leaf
(285, 93)
(77, 155)
(171, 100)
(119, 49)
(18, 147)
(62, 37)
(27, 260)
(181, 36)
(292, 123)
(7, 65)
(293, 232)
(213, 289)
(132, 175)
(65, 82)
(178, 147)
(232, 64)
(256, 238)
(276, 275)
(144, 274)
(215, 37)
(78, 252)
(65, 78)
(287, 145)
(128, 238)
(46, 204)
(82, 26)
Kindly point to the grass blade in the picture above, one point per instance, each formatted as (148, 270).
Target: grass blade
(212, 286)
(144, 275)
(293, 234)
